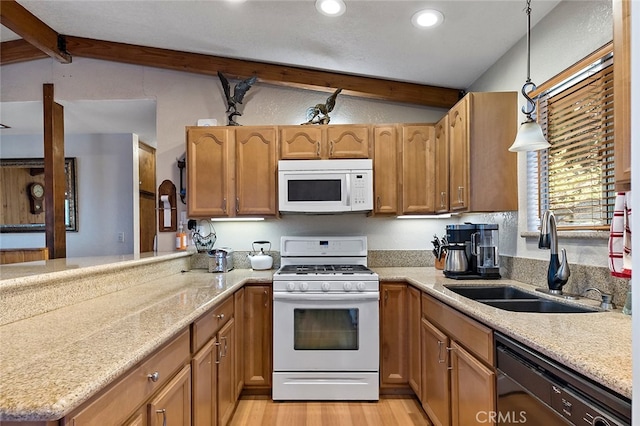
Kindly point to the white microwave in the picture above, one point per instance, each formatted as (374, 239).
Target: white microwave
(325, 186)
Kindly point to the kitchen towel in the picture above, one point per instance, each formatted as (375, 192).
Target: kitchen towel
(620, 237)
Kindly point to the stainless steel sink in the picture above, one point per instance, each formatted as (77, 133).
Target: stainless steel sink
(516, 300)
(500, 292)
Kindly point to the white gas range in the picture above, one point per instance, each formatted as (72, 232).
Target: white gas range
(325, 321)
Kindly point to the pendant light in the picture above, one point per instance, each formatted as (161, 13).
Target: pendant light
(529, 137)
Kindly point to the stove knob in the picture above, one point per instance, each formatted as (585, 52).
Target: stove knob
(347, 286)
(361, 286)
(325, 286)
(291, 286)
(304, 286)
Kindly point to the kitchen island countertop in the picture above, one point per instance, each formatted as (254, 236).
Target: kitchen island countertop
(52, 362)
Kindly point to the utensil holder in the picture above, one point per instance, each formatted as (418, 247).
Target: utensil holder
(439, 263)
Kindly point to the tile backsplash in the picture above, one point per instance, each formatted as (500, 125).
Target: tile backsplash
(530, 271)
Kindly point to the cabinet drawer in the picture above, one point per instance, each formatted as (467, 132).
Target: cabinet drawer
(207, 325)
(130, 392)
(474, 336)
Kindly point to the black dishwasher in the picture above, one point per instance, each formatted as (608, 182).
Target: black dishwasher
(535, 390)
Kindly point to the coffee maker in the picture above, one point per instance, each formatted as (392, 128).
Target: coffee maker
(472, 252)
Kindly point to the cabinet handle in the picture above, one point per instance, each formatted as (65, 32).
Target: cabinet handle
(153, 376)
(164, 416)
(331, 143)
(218, 355)
(237, 205)
(440, 359)
(266, 299)
(386, 295)
(442, 198)
(317, 148)
(450, 350)
(224, 205)
(460, 188)
(224, 350)
(378, 202)
(220, 317)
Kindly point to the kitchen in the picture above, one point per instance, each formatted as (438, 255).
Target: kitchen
(383, 234)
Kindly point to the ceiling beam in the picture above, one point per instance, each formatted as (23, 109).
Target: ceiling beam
(367, 87)
(22, 22)
(14, 51)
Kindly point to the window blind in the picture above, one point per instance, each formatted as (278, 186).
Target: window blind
(576, 174)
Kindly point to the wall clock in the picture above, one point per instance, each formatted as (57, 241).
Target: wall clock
(36, 197)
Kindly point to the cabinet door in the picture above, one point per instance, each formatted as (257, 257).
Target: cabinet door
(256, 190)
(226, 381)
(459, 156)
(414, 316)
(435, 374)
(205, 381)
(172, 406)
(257, 336)
(300, 142)
(393, 335)
(348, 141)
(147, 168)
(238, 315)
(138, 419)
(473, 388)
(385, 169)
(418, 169)
(622, 92)
(441, 139)
(209, 171)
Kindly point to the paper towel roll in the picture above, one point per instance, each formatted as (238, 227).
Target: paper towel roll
(166, 205)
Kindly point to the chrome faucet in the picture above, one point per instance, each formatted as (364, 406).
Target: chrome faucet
(558, 273)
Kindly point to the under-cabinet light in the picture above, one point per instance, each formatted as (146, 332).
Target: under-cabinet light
(237, 219)
(425, 216)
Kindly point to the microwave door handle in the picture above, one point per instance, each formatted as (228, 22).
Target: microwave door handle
(348, 184)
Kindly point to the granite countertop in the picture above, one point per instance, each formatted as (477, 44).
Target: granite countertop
(48, 370)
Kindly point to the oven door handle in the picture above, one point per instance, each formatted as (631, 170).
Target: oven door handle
(319, 297)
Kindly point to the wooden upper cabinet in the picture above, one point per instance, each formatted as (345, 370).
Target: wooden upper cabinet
(386, 155)
(482, 170)
(256, 190)
(441, 138)
(209, 171)
(301, 142)
(315, 142)
(459, 156)
(418, 169)
(622, 92)
(347, 141)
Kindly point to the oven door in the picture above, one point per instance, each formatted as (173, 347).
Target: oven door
(325, 332)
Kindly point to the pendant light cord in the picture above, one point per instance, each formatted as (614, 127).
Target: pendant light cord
(529, 86)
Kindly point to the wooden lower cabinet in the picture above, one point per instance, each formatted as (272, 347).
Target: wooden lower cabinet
(238, 307)
(435, 394)
(414, 314)
(393, 336)
(172, 406)
(226, 383)
(459, 383)
(473, 388)
(205, 380)
(258, 336)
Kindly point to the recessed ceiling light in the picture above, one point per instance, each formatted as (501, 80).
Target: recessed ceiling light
(331, 7)
(427, 18)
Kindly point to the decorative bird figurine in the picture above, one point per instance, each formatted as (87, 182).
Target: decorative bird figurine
(319, 114)
(239, 91)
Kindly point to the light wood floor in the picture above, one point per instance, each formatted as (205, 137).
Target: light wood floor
(257, 411)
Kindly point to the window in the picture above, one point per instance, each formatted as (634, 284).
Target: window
(575, 177)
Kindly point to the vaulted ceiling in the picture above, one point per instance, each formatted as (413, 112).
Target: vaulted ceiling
(372, 50)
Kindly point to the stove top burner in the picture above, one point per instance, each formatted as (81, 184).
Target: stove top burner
(325, 269)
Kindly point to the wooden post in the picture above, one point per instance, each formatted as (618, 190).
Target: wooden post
(54, 176)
